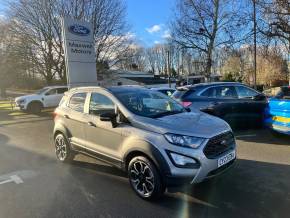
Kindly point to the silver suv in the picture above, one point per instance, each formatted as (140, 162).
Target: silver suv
(152, 137)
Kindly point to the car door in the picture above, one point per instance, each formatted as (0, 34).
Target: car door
(101, 137)
(49, 98)
(227, 104)
(220, 101)
(75, 119)
(253, 103)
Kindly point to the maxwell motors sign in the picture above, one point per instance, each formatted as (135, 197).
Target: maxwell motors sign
(79, 52)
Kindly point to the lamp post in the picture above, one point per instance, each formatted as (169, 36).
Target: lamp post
(168, 68)
(255, 44)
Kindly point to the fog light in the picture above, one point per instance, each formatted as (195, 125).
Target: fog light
(182, 161)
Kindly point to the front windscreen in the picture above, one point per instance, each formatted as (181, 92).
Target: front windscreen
(148, 103)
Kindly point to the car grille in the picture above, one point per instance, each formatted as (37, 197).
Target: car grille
(219, 145)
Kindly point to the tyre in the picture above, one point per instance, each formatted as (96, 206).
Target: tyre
(145, 179)
(34, 107)
(63, 151)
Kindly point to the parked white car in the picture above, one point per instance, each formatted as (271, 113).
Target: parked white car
(44, 98)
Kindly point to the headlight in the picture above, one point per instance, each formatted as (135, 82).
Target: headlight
(21, 101)
(185, 141)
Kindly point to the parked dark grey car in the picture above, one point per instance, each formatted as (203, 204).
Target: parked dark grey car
(234, 102)
(144, 132)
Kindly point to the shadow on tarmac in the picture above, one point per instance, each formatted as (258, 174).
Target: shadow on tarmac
(249, 189)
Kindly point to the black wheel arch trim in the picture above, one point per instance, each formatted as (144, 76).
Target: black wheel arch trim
(62, 129)
(152, 153)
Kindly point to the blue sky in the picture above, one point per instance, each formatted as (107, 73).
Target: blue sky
(149, 19)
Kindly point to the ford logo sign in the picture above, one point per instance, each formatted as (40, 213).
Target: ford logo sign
(79, 30)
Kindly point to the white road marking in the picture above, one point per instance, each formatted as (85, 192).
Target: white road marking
(14, 178)
(246, 136)
(17, 176)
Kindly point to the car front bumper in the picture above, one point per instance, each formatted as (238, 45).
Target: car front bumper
(205, 169)
(279, 125)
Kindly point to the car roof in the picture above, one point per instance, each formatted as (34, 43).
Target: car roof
(204, 85)
(53, 87)
(118, 89)
(162, 88)
(112, 89)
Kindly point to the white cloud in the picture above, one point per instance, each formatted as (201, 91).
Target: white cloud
(166, 34)
(154, 29)
(156, 42)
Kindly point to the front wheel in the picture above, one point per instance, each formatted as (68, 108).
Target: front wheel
(34, 107)
(145, 179)
(62, 149)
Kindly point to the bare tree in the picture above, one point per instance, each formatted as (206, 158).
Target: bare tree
(204, 25)
(276, 18)
(157, 58)
(134, 59)
(38, 24)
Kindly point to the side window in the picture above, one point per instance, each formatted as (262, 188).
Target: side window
(244, 92)
(284, 93)
(100, 104)
(190, 94)
(51, 92)
(210, 93)
(226, 92)
(77, 102)
(61, 90)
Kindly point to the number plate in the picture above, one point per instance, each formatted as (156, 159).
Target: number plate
(227, 158)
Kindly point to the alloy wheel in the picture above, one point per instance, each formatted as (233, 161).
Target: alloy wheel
(60, 147)
(142, 178)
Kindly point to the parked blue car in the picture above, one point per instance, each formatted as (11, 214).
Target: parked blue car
(277, 115)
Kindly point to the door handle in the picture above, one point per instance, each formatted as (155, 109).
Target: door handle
(66, 116)
(92, 124)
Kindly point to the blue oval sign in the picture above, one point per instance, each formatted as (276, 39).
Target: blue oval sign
(79, 30)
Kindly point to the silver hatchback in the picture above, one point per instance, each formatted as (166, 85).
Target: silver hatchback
(157, 141)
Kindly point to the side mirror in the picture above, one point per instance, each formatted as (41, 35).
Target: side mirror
(109, 117)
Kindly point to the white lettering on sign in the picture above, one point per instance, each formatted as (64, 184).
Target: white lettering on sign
(14, 178)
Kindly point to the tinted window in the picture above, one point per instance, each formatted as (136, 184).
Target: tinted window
(61, 90)
(220, 92)
(244, 92)
(184, 93)
(100, 104)
(178, 94)
(210, 93)
(51, 92)
(41, 91)
(284, 93)
(77, 102)
(226, 92)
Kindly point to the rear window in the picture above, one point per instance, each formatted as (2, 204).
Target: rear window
(183, 93)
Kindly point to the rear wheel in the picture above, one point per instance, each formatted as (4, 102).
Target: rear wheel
(34, 107)
(145, 179)
(63, 151)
